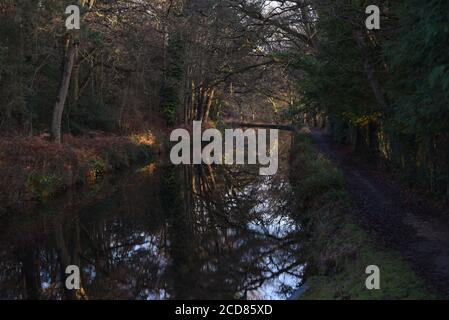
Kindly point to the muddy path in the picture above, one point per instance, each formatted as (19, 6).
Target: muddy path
(397, 218)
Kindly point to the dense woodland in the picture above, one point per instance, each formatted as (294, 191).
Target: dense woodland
(138, 64)
(135, 62)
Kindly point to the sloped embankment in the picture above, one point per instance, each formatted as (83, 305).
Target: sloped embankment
(32, 169)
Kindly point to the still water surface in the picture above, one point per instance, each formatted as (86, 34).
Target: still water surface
(158, 233)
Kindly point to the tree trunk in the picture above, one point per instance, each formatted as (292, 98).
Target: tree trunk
(58, 110)
(210, 99)
(360, 146)
(200, 104)
(373, 144)
(30, 272)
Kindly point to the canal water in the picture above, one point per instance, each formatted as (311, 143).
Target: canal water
(159, 232)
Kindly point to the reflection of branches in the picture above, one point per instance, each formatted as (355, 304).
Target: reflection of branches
(240, 200)
(257, 283)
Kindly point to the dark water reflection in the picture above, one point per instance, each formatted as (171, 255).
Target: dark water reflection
(165, 233)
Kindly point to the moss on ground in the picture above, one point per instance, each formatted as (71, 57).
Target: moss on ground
(337, 249)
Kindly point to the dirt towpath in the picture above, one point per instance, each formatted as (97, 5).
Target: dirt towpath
(396, 217)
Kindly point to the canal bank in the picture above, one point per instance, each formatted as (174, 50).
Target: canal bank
(33, 169)
(336, 248)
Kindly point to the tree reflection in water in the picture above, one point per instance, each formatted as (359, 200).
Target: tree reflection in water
(176, 233)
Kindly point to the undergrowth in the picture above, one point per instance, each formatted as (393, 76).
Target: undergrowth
(34, 169)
